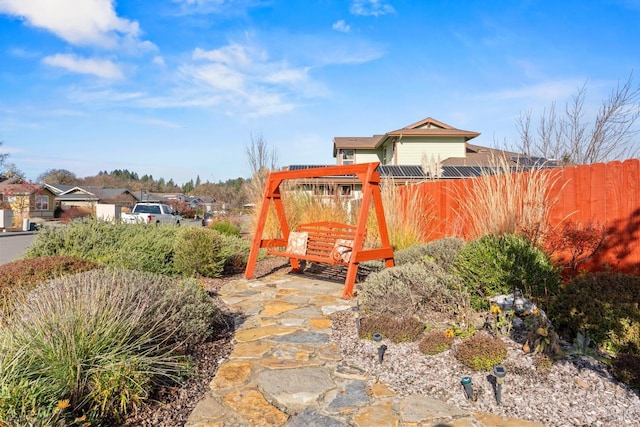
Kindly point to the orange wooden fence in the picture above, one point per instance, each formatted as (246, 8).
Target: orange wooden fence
(606, 194)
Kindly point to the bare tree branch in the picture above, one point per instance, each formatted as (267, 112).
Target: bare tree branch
(572, 139)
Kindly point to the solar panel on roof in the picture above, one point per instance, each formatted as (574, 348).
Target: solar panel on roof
(461, 171)
(529, 161)
(406, 171)
(302, 167)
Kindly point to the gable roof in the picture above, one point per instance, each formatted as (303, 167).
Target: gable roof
(426, 127)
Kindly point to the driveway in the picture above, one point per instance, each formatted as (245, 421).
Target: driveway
(13, 245)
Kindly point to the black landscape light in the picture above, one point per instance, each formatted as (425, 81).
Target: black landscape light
(377, 337)
(468, 387)
(381, 351)
(499, 372)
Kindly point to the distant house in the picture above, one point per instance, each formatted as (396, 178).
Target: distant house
(68, 196)
(428, 149)
(27, 200)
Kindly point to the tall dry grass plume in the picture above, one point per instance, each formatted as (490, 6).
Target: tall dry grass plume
(303, 202)
(408, 212)
(507, 200)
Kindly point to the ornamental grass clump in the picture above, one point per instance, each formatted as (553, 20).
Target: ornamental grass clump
(94, 345)
(481, 352)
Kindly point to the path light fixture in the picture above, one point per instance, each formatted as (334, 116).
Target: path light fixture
(468, 387)
(377, 337)
(381, 351)
(499, 372)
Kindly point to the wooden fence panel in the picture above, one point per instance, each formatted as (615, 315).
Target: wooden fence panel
(599, 194)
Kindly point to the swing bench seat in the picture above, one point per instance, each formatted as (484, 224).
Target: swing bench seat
(323, 242)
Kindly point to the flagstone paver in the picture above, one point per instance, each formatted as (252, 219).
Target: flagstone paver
(284, 371)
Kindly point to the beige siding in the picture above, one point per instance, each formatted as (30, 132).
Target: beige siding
(410, 151)
(368, 156)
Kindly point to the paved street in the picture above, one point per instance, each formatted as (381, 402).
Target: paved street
(13, 245)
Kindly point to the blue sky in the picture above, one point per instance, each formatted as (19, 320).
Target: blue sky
(177, 88)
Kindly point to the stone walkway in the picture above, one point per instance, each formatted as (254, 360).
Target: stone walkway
(284, 371)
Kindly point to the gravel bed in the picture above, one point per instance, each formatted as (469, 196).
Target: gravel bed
(574, 392)
(577, 391)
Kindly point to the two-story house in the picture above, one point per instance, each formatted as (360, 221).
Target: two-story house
(428, 149)
(428, 138)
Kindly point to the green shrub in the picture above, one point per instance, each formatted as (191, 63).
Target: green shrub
(199, 251)
(131, 246)
(397, 329)
(95, 344)
(444, 251)
(602, 306)
(481, 352)
(435, 342)
(235, 251)
(227, 228)
(494, 265)
(142, 247)
(410, 290)
(626, 368)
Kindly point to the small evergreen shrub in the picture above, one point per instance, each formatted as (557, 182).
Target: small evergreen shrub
(27, 273)
(626, 368)
(94, 345)
(443, 252)
(494, 265)
(410, 290)
(397, 329)
(131, 246)
(21, 276)
(226, 228)
(141, 247)
(436, 341)
(199, 251)
(235, 251)
(481, 352)
(604, 307)
(160, 249)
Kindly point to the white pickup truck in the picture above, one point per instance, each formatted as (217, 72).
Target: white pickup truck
(151, 213)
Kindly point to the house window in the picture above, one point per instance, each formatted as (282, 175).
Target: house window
(42, 203)
(323, 190)
(345, 190)
(348, 157)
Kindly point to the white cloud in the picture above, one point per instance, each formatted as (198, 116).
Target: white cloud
(98, 67)
(243, 75)
(341, 26)
(546, 91)
(19, 52)
(81, 23)
(159, 60)
(371, 7)
(233, 54)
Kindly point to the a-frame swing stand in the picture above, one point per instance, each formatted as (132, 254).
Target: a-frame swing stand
(325, 232)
